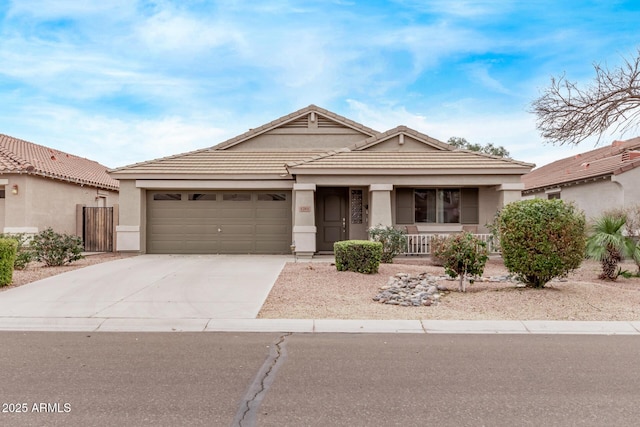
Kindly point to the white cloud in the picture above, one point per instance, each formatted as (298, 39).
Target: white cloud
(479, 72)
(170, 31)
(113, 141)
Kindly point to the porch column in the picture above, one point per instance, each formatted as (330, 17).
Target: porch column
(304, 220)
(128, 231)
(509, 193)
(380, 205)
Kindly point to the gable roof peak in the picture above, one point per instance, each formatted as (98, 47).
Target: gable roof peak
(402, 129)
(291, 117)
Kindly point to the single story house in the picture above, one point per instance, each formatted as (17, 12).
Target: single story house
(596, 181)
(41, 187)
(304, 181)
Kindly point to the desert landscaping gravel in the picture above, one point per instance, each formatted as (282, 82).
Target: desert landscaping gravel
(318, 291)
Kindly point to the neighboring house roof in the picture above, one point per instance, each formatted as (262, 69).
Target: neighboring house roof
(601, 162)
(23, 157)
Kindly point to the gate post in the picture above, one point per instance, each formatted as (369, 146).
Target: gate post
(80, 221)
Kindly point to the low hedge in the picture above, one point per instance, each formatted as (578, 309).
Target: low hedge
(362, 256)
(8, 249)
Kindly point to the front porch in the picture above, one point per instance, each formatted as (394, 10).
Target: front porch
(326, 214)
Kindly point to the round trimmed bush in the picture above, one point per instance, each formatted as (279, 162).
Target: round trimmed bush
(541, 239)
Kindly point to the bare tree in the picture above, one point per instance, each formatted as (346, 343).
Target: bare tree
(568, 114)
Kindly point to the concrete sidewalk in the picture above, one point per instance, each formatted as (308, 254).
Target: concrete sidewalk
(212, 293)
(120, 324)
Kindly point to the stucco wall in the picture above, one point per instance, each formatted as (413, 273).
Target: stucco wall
(43, 202)
(301, 140)
(593, 198)
(408, 144)
(630, 182)
(489, 199)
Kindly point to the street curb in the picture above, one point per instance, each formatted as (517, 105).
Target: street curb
(531, 327)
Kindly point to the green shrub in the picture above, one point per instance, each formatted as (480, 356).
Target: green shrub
(437, 245)
(361, 256)
(394, 242)
(541, 239)
(56, 249)
(463, 255)
(608, 244)
(25, 254)
(8, 248)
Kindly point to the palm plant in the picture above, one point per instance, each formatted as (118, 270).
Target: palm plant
(609, 245)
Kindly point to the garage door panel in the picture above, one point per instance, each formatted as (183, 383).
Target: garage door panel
(239, 230)
(272, 213)
(267, 230)
(235, 213)
(202, 246)
(249, 222)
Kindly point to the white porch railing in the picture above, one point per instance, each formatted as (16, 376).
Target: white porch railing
(420, 244)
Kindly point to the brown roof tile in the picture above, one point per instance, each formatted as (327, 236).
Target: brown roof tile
(218, 162)
(19, 156)
(602, 161)
(456, 159)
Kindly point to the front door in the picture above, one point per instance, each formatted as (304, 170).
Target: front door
(331, 215)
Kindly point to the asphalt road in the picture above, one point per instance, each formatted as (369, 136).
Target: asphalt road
(224, 379)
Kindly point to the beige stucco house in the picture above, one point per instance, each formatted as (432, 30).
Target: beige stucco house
(307, 180)
(596, 181)
(41, 187)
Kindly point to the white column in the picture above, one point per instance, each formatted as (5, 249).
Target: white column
(304, 220)
(380, 205)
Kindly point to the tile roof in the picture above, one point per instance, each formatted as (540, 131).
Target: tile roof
(602, 161)
(218, 162)
(428, 160)
(363, 145)
(19, 156)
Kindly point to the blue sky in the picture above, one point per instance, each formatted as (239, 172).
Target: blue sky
(123, 81)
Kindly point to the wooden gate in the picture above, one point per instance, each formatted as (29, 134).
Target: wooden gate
(97, 231)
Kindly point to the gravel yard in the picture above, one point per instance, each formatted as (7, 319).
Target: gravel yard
(318, 291)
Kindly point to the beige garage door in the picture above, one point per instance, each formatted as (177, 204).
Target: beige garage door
(211, 222)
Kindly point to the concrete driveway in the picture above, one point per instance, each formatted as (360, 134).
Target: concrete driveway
(151, 287)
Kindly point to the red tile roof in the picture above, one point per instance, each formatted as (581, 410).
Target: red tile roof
(19, 156)
(610, 160)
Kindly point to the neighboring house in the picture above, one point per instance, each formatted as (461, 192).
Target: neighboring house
(307, 180)
(596, 181)
(41, 187)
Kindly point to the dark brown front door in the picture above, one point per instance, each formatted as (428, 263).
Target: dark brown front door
(331, 214)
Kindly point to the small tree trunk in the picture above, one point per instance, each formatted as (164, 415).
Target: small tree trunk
(462, 287)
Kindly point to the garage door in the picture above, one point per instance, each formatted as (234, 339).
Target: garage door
(210, 222)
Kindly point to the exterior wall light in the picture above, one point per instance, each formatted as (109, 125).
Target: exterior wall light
(14, 189)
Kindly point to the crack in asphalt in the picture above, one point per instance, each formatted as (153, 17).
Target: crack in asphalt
(248, 408)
